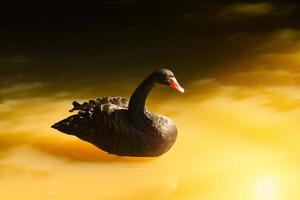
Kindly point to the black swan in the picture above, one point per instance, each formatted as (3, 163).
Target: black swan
(123, 127)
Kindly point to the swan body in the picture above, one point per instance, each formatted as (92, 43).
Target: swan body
(124, 127)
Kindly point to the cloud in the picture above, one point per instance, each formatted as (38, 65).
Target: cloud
(246, 10)
(280, 40)
(266, 67)
(257, 77)
(21, 88)
(279, 50)
(273, 55)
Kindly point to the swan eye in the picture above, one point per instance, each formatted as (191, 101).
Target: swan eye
(168, 79)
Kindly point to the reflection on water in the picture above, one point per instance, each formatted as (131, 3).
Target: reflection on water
(234, 143)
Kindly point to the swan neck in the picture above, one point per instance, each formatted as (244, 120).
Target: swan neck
(137, 101)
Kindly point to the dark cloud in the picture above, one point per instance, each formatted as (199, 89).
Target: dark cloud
(70, 45)
(246, 9)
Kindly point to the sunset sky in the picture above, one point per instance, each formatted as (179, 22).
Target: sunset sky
(238, 121)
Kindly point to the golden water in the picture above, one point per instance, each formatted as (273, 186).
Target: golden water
(234, 143)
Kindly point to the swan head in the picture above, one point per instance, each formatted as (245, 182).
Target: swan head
(166, 77)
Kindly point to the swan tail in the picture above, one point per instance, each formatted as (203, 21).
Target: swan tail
(72, 125)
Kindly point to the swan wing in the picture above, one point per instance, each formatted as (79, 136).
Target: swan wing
(94, 114)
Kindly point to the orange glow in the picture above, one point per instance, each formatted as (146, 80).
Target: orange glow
(238, 139)
(227, 148)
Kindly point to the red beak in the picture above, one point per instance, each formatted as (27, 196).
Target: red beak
(175, 85)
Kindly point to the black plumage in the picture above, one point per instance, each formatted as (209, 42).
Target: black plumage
(122, 127)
